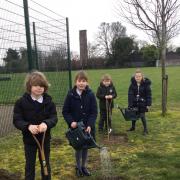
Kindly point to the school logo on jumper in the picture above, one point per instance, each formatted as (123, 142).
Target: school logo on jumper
(110, 90)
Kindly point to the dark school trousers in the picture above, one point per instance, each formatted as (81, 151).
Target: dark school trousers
(144, 121)
(105, 117)
(30, 156)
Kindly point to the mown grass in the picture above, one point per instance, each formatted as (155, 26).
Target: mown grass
(121, 79)
(152, 157)
(12, 89)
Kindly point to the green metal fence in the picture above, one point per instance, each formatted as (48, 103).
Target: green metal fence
(31, 37)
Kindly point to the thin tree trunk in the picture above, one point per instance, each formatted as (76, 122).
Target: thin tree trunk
(163, 60)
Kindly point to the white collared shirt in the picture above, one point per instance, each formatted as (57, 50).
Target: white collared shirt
(78, 92)
(40, 99)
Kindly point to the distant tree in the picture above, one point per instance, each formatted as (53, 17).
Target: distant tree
(160, 20)
(109, 32)
(56, 59)
(149, 52)
(12, 59)
(121, 50)
(94, 50)
(178, 50)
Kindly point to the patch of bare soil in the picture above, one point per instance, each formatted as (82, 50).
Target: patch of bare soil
(114, 138)
(6, 175)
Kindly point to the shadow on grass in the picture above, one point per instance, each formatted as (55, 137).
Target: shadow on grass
(56, 142)
(110, 178)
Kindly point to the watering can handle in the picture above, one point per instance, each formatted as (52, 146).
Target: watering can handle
(99, 147)
(121, 109)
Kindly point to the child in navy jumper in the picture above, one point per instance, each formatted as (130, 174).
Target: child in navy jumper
(80, 105)
(35, 113)
(139, 96)
(106, 92)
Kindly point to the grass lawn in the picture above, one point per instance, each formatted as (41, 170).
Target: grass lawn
(14, 88)
(133, 156)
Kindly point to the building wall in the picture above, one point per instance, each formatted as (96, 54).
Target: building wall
(169, 62)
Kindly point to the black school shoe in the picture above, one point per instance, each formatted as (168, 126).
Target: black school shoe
(145, 132)
(131, 129)
(85, 171)
(79, 172)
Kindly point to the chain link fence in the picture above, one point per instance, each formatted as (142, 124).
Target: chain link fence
(48, 52)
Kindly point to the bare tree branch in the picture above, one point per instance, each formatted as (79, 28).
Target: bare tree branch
(158, 18)
(107, 33)
(147, 15)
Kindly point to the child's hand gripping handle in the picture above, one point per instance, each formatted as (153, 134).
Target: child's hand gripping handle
(41, 149)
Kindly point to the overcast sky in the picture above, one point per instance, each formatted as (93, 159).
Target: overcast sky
(88, 14)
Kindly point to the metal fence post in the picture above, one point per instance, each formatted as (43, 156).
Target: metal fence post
(35, 46)
(28, 35)
(68, 53)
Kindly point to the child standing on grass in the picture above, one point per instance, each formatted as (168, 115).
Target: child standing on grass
(34, 114)
(139, 96)
(80, 105)
(106, 92)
